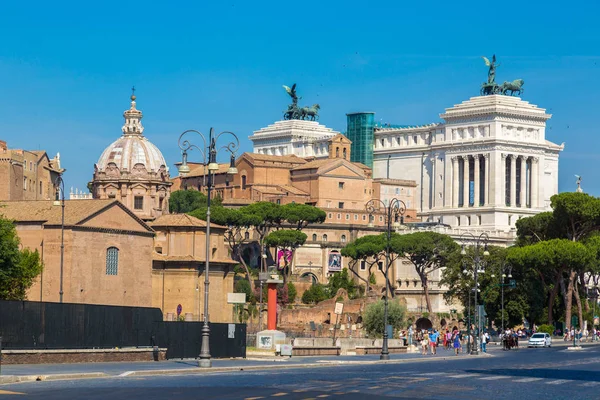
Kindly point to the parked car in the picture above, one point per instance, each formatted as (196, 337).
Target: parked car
(540, 340)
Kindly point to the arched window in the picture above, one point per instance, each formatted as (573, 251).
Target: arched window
(345, 153)
(343, 238)
(337, 152)
(314, 237)
(325, 237)
(112, 261)
(246, 235)
(243, 182)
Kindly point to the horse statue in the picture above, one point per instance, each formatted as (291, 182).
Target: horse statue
(311, 113)
(514, 87)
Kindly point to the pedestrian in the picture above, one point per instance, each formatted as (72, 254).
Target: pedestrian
(433, 339)
(484, 342)
(424, 343)
(456, 341)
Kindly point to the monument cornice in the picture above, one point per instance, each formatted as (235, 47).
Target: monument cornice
(494, 112)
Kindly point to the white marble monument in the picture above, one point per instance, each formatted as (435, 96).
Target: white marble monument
(298, 137)
(487, 165)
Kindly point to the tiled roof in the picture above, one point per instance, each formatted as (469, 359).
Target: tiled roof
(293, 190)
(45, 210)
(76, 211)
(200, 170)
(189, 258)
(263, 157)
(314, 164)
(181, 220)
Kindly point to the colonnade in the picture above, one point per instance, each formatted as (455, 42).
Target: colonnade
(471, 180)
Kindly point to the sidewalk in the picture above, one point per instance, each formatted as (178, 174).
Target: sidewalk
(21, 372)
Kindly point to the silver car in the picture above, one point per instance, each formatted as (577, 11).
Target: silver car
(540, 340)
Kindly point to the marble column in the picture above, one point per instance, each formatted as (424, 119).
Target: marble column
(513, 180)
(477, 180)
(523, 194)
(455, 182)
(486, 179)
(432, 180)
(466, 181)
(534, 182)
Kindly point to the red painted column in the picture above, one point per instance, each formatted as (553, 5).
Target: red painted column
(272, 306)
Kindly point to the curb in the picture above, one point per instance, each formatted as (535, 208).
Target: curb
(8, 379)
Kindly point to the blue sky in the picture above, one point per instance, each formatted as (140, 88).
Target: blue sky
(66, 68)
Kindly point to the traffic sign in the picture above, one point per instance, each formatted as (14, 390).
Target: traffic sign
(179, 309)
(574, 321)
(339, 308)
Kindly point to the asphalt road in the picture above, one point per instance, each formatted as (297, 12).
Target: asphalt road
(554, 373)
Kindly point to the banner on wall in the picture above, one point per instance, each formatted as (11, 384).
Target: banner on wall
(334, 262)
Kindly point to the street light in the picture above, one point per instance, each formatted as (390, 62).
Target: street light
(209, 160)
(394, 215)
(504, 268)
(482, 240)
(59, 184)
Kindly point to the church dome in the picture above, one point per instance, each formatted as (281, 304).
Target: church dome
(132, 149)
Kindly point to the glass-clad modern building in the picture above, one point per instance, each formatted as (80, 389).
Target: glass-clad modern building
(360, 130)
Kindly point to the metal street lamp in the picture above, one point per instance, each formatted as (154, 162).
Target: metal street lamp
(504, 269)
(209, 160)
(59, 184)
(482, 240)
(394, 214)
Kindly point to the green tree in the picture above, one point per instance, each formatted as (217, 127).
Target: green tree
(373, 317)
(238, 224)
(341, 280)
(18, 268)
(286, 239)
(370, 250)
(292, 292)
(301, 215)
(315, 294)
(427, 251)
(184, 201)
(561, 255)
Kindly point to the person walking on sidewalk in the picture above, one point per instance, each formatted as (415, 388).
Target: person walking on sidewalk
(484, 339)
(433, 341)
(424, 343)
(456, 341)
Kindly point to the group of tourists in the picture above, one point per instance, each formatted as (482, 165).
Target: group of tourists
(510, 338)
(582, 335)
(430, 340)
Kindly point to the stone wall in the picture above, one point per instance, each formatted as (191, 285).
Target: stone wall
(81, 356)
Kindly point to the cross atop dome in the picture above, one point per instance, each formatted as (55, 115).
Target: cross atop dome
(133, 118)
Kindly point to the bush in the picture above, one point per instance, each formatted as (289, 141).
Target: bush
(549, 329)
(372, 279)
(292, 292)
(373, 317)
(315, 294)
(243, 286)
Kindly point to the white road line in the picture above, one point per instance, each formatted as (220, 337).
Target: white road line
(558, 381)
(126, 373)
(462, 376)
(528, 380)
(588, 384)
(493, 378)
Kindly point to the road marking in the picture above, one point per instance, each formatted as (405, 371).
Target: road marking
(323, 395)
(493, 378)
(126, 373)
(558, 382)
(463, 376)
(8, 392)
(254, 398)
(523, 380)
(590, 383)
(374, 387)
(279, 394)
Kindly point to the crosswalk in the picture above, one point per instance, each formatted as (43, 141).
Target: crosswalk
(513, 378)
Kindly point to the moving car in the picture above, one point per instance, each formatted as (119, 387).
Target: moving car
(540, 340)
